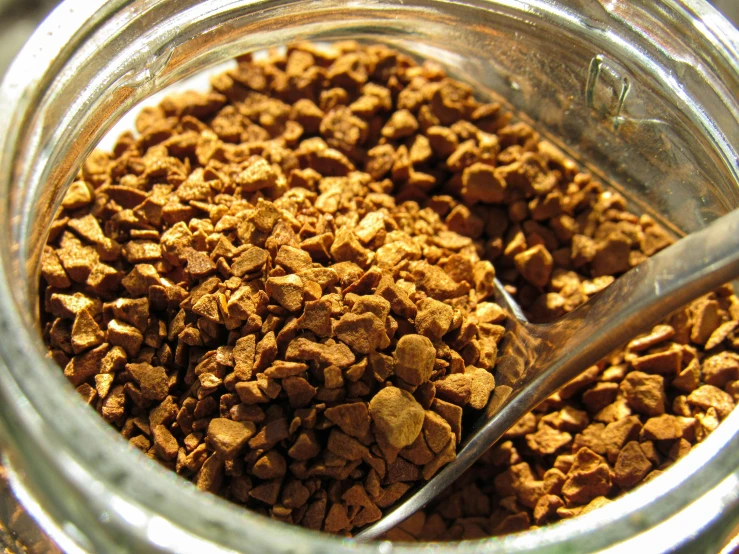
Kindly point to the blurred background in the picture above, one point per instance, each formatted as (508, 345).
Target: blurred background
(730, 9)
(18, 18)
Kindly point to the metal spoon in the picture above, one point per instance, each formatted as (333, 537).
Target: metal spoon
(537, 360)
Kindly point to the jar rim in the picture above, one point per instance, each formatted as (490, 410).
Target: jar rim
(161, 504)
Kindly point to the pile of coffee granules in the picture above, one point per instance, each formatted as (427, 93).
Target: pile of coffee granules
(282, 290)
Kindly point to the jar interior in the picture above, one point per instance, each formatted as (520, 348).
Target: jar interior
(619, 110)
(639, 110)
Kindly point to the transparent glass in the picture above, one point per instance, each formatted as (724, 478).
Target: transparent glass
(644, 92)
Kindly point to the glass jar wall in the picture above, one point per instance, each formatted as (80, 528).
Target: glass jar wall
(643, 91)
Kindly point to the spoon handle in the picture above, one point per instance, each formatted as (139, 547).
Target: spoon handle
(549, 356)
(634, 303)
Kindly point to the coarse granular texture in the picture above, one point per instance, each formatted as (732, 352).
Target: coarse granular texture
(621, 423)
(282, 289)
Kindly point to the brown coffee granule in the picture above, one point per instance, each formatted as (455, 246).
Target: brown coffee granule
(282, 290)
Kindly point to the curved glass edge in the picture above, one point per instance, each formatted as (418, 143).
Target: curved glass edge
(517, 543)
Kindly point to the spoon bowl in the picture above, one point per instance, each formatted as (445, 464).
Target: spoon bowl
(537, 360)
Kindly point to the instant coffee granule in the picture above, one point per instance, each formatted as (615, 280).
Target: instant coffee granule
(282, 290)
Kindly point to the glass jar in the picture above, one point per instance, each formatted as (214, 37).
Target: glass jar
(642, 92)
